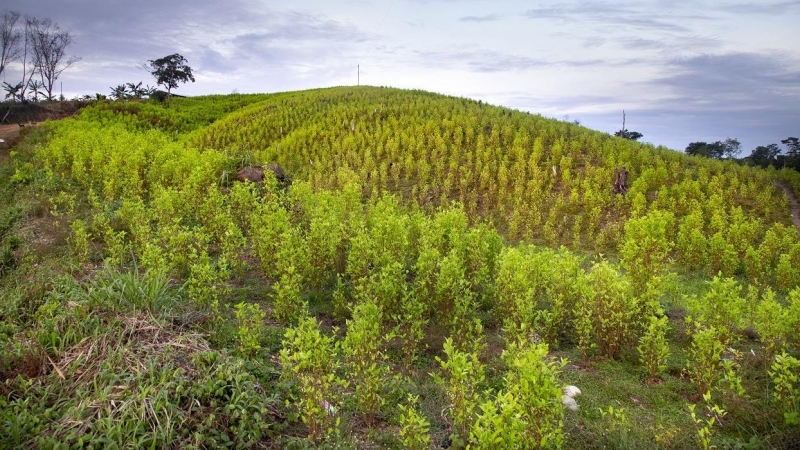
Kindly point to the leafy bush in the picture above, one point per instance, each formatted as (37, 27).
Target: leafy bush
(528, 412)
(646, 245)
(414, 428)
(653, 348)
(364, 358)
(309, 359)
(250, 318)
(784, 373)
(464, 375)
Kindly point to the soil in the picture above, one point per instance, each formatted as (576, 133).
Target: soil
(9, 134)
(795, 208)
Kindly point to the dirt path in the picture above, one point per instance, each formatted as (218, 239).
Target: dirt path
(792, 202)
(9, 134)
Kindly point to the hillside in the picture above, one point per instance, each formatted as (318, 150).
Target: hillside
(148, 298)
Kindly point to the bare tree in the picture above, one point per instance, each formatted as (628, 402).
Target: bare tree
(48, 43)
(9, 39)
(28, 66)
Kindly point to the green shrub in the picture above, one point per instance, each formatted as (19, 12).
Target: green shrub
(704, 363)
(250, 320)
(612, 310)
(722, 307)
(653, 348)
(414, 428)
(310, 359)
(364, 358)
(464, 375)
(646, 245)
(784, 373)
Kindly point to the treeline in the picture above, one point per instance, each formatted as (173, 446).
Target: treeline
(762, 156)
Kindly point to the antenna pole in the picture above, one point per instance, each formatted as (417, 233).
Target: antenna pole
(623, 120)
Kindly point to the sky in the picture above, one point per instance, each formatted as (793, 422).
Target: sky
(682, 70)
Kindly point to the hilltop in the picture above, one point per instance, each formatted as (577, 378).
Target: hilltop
(148, 298)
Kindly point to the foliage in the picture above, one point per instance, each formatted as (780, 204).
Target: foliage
(704, 360)
(630, 135)
(653, 348)
(764, 155)
(309, 359)
(465, 375)
(786, 392)
(728, 148)
(705, 427)
(646, 245)
(414, 428)
(612, 309)
(528, 413)
(170, 70)
(440, 214)
(722, 307)
(364, 359)
(250, 318)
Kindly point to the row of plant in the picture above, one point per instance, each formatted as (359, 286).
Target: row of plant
(404, 281)
(532, 178)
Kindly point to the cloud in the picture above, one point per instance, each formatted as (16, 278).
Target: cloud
(488, 61)
(607, 15)
(296, 27)
(747, 79)
(486, 18)
(674, 43)
(755, 97)
(749, 96)
(763, 7)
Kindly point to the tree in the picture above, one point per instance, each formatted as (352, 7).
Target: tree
(624, 133)
(35, 88)
(728, 148)
(49, 47)
(169, 71)
(120, 92)
(632, 135)
(13, 91)
(731, 147)
(9, 39)
(764, 155)
(793, 145)
(137, 91)
(792, 158)
(701, 148)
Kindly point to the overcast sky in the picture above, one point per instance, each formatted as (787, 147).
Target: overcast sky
(683, 70)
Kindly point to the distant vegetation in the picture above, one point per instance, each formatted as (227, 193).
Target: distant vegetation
(432, 271)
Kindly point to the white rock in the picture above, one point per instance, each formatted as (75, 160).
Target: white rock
(571, 391)
(569, 402)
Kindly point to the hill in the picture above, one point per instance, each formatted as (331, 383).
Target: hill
(149, 298)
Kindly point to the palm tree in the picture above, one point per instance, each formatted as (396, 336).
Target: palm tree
(120, 92)
(35, 87)
(15, 92)
(135, 90)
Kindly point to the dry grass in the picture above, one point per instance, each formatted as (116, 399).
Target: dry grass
(137, 339)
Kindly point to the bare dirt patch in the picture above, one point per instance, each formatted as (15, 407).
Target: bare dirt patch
(9, 134)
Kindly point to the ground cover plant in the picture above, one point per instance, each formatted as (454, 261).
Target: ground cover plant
(430, 272)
